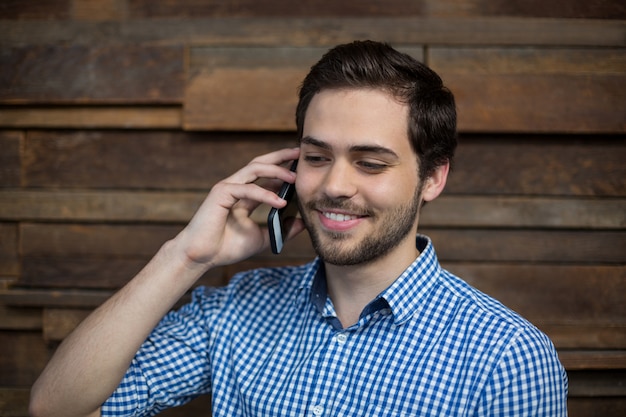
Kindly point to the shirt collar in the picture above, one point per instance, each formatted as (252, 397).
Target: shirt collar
(404, 296)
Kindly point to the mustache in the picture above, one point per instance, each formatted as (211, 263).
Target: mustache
(327, 203)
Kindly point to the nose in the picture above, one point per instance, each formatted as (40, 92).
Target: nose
(339, 181)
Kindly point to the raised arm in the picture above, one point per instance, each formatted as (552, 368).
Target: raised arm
(90, 363)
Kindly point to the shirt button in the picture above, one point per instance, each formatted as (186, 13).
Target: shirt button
(341, 338)
(318, 410)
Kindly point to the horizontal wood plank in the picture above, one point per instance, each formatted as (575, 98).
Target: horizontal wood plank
(309, 8)
(609, 383)
(513, 91)
(20, 318)
(499, 164)
(162, 206)
(10, 162)
(18, 297)
(240, 99)
(550, 292)
(248, 88)
(539, 165)
(479, 245)
(596, 406)
(92, 74)
(538, 90)
(572, 335)
(93, 272)
(23, 356)
(169, 160)
(58, 323)
(593, 359)
(14, 402)
(603, 247)
(93, 117)
(319, 31)
(9, 255)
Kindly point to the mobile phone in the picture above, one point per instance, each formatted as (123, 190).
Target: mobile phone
(280, 220)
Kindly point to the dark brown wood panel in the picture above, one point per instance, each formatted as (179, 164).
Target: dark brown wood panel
(505, 165)
(603, 9)
(574, 9)
(22, 357)
(14, 402)
(9, 255)
(313, 31)
(93, 117)
(140, 241)
(179, 206)
(273, 8)
(535, 90)
(248, 88)
(10, 162)
(20, 318)
(587, 359)
(549, 293)
(144, 159)
(38, 239)
(242, 99)
(92, 272)
(92, 74)
(602, 247)
(596, 406)
(103, 206)
(540, 165)
(40, 9)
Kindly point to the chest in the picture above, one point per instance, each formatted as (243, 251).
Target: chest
(374, 368)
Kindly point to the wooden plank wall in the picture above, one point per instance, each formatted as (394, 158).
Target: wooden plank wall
(117, 117)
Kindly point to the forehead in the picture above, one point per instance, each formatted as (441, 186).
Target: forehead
(353, 117)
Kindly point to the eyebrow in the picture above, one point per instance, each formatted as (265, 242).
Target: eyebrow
(308, 140)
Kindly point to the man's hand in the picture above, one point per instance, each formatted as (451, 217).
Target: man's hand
(222, 232)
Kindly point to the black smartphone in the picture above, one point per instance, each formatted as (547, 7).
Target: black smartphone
(280, 220)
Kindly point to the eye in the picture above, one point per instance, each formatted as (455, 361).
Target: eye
(315, 159)
(372, 167)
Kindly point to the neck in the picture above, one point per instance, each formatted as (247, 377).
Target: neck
(352, 287)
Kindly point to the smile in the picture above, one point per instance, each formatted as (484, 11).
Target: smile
(338, 217)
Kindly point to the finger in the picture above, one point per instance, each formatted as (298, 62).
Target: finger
(267, 166)
(249, 195)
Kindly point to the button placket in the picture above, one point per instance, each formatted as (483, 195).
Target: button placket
(318, 410)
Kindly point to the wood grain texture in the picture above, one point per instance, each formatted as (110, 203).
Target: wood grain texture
(448, 211)
(485, 165)
(9, 255)
(312, 31)
(538, 90)
(10, 158)
(92, 117)
(55, 74)
(144, 159)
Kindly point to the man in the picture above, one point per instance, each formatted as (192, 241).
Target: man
(371, 327)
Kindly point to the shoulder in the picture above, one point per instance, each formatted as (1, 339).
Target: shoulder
(254, 284)
(524, 361)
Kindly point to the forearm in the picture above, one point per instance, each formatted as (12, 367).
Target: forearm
(91, 362)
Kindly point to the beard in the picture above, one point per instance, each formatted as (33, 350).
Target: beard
(391, 227)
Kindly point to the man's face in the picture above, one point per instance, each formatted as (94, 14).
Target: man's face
(357, 182)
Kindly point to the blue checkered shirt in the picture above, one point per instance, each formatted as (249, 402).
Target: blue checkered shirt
(270, 344)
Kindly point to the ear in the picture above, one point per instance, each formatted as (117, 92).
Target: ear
(435, 184)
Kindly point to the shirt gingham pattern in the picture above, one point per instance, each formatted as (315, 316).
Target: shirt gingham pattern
(269, 344)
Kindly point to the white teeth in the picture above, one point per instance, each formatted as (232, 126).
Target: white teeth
(339, 217)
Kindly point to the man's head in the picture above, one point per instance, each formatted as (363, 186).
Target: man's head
(374, 65)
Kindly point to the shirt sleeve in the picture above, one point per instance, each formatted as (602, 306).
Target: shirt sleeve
(172, 366)
(528, 381)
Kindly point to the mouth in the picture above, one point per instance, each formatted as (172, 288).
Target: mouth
(339, 217)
